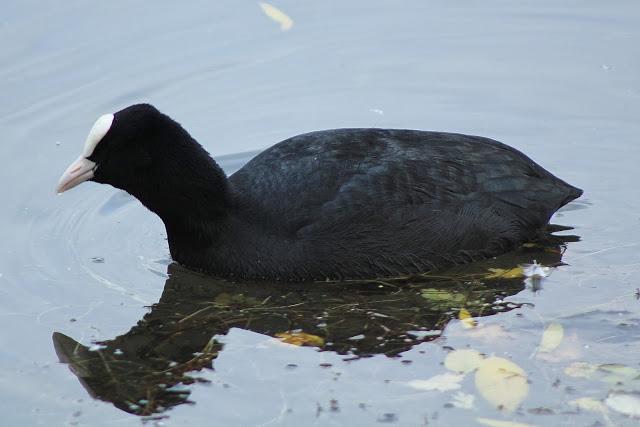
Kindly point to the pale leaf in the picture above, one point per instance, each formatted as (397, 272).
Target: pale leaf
(442, 382)
(580, 370)
(571, 349)
(502, 383)
(463, 361)
(500, 423)
(625, 403)
(616, 373)
(277, 15)
(463, 400)
(551, 337)
(488, 333)
(589, 404)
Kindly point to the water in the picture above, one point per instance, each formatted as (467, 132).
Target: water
(558, 81)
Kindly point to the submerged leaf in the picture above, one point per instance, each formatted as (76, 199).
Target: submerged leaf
(571, 348)
(277, 15)
(442, 296)
(616, 373)
(551, 337)
(300, 338)
(502, 273)
(500, 423)
(489, 333)
(463, 400)
(502, 383)
(612, 373)
(589, 404)
(580, 370)
(625, 403)
(442, 382)
(467, 319)
(463, 361)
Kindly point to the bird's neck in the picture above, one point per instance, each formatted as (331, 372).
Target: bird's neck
(195, 203)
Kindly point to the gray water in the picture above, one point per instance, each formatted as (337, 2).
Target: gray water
(557, 80)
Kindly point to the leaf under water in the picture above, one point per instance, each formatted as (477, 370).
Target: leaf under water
(277, 15)
(502, 383)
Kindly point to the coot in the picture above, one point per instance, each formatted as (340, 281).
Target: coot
(333, 204)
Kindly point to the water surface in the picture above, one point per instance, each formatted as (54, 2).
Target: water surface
(557, 81)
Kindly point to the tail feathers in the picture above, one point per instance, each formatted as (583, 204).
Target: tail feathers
(572, 194)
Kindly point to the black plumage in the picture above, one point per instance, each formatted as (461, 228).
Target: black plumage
(338, 204)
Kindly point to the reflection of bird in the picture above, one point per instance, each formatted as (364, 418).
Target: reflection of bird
(137, 371)
(345, 203)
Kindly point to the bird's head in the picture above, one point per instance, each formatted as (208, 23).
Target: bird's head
(119, 150)
(149, 155)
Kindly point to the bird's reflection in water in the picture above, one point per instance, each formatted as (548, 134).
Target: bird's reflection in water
(146, 370)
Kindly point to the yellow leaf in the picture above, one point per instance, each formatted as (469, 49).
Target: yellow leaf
(441, 296)
(502, 383)
(277, 15)
(223, 299)
(300, 338)
(464, 361)
(551, 337)
(501, 273)
(499, 423)
(589, 404)
(467, 320)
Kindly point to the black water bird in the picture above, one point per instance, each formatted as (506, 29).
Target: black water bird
(333, 204)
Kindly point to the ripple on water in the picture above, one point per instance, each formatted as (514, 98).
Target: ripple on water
(101, 235)
(118, 200)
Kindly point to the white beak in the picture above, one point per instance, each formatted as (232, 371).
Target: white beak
(78, 172)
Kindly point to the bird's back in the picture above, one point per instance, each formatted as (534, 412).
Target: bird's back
(389, 201)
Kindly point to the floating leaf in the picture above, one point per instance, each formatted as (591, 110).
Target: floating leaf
(300, 338)
(467, 320)
(580, 370)
(551, 337)
(442, 296)
(442, 382)
(612, 373)
(625, 403)
(223, 299)
(277, 15)
(571, 349)
(489, 333)
(502, 273)
(463, 361)
(616, 373)
(500, 423)
(589, 404)
(463, 400)
(502, 383)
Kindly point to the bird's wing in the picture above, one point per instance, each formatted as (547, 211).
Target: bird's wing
(454, 188)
